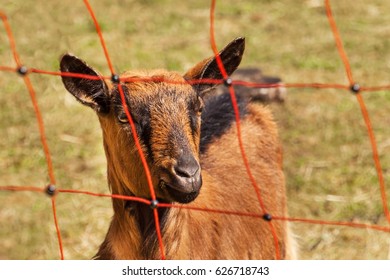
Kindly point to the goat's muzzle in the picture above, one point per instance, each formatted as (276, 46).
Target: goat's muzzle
(182, 183)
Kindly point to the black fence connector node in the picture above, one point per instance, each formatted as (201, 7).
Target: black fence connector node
(51, 190)
(154, 204)
(267, 217)
(228, 82)
(115, 78)
(22, 70)
(355, 88)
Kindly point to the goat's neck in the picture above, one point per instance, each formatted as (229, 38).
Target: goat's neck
(132, 233)
(133, 228)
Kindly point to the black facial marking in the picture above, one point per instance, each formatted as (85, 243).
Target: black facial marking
(139, 114)
(194, 110)
(218, 116)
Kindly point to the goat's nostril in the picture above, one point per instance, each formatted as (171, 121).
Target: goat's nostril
(187, 170)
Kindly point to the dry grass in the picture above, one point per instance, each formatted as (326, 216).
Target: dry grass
(328, 162)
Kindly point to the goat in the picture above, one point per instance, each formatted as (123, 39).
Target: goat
(190, 144)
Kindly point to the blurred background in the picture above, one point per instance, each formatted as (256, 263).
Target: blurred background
(327, 155)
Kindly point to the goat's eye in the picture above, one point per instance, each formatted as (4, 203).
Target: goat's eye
(122, 118)
(199, 105)
(200, 109)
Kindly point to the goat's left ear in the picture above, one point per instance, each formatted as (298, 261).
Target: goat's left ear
(90, 92)
(231, 57)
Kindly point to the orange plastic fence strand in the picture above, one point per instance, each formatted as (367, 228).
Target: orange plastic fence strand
(41, 129)
(213, 41)
(237, 115)
(375, 155)
(202, 81)
(99, 32)
(10, 38)
(66, 74)
(235, 106)
(59, 238)
(276, 240)
(289, 85)
(335, 223)
(339, 42)
(376, 88)
(159, 236)
(116, 196)
(39, 120)
(211, 210)
(363, 108)
(21, 188)
(316, 85)
(123, 99)
(289, 219)
(8, 68)
(138, 145)
(32, 95)
(144, 163)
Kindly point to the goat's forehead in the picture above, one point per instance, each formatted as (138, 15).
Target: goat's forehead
(156, 85)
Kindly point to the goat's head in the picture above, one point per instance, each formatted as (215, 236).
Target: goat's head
(167, 118)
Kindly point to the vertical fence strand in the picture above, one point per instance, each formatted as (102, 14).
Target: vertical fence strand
(375, 155)
(363, 108)
(338, 41)
(132, 125)
(238, 128)
(59, 238)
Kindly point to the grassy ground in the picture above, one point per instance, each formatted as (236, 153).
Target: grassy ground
(328, 161)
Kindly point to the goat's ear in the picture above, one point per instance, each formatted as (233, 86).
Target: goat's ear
(90, 92)
(231, 57)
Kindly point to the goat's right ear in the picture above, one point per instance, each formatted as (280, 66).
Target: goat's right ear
(230, 56)
(90, 92)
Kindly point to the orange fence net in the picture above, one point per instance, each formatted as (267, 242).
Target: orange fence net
(53, 190)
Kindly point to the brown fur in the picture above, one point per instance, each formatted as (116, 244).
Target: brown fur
(161, 111)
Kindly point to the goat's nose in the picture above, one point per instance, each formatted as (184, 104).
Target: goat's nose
(186, 166)
(184, 180)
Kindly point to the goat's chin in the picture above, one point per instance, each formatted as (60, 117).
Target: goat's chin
(173, 195)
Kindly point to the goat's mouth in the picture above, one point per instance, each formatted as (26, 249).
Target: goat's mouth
(177, 195)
